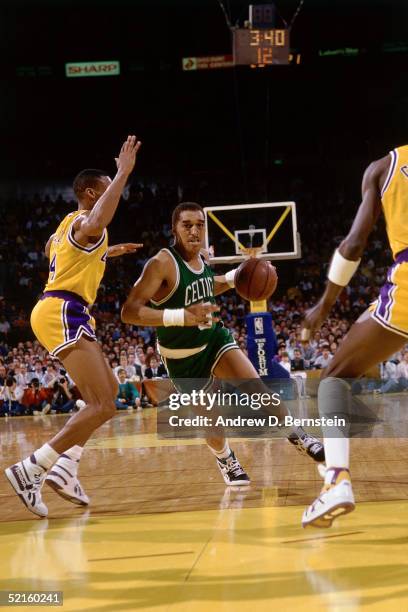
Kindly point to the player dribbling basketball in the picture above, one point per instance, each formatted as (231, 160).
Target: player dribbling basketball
(176, 293)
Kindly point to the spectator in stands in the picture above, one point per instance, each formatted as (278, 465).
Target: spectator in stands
(156, 369)
(3, 375)
(389, 375)
(35, 398)
(308, 354)
(297, 364)
(138, 375)
(402, 371)
(37, 372)
(316, 340)
(123, 364)
(50, 377)
(140, 358)
(291, 345)
(12, 395)
(323, 360)
(21, 376)
(62, 401)
(333, 347)
(128, 396)
(285, 361)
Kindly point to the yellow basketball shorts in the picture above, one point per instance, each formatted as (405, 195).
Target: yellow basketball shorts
(391, 308)
(59, 320)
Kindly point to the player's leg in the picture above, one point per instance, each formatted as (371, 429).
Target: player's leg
(366, 345)
(98, 386)
(85, 364)
(235, 365)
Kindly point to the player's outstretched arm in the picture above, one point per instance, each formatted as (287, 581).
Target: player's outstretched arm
(135, 310)
(347, 257)
(116, 250)
(102, 213)
(221, 284)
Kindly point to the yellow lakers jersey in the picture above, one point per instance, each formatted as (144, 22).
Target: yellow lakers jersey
(394, 197)
(74, 267)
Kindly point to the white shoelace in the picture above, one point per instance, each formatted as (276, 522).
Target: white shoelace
(234, 466)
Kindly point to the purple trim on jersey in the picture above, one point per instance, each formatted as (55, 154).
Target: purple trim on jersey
(80, 246)
(76, 320)
(401, 257)
(391, 170)
(384, 300)
(64, 295)
(386, 297)
(392, 328)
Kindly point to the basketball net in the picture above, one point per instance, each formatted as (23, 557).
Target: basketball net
(248, 252)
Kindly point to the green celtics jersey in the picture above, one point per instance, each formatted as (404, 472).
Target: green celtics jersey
(192, 287)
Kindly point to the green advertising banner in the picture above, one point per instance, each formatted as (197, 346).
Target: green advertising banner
(88, 69)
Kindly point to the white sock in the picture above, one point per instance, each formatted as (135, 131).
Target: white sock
(223, 453)
(74, 452)
(337, 451)
(69, 461)
(44, 457)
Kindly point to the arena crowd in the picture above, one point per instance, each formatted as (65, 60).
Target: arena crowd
(32, 381)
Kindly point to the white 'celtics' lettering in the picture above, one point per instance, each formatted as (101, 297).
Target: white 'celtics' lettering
(198, 290)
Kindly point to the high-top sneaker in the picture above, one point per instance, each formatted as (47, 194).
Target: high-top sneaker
(232, 471)
(26, 478)
(307, 445)
(63, 479)
(336, 498)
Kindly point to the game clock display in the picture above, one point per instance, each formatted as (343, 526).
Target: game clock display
(261, 47)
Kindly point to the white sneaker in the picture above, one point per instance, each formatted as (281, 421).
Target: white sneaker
(332, 502)
(27, 481)
(66, 484)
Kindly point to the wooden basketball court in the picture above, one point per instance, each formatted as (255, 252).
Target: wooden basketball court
(164, 533)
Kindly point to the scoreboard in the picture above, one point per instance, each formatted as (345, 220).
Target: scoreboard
(260, 47)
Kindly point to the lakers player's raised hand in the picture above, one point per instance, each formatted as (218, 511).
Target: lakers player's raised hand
(126, 160)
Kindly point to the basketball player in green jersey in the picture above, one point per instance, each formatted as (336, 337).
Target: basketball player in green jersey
(175, 293)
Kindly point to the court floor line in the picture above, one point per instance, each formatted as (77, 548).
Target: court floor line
(169, 554)
(325, 537)
(200, 554)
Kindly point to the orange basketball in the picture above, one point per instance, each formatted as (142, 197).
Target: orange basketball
(256, 279)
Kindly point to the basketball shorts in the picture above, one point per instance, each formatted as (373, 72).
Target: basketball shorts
(202, 365)
(391, 308)
(59, 319)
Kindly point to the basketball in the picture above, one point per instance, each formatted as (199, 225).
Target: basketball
(256, 279)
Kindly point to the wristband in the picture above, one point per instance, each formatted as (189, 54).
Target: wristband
(341, 269)
(230, 277)
(173, 317)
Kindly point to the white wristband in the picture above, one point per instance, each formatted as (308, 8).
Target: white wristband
(173, 317)
(341, 270)
(230, 277)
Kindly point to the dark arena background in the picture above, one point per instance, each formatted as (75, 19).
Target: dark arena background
(218, 127)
